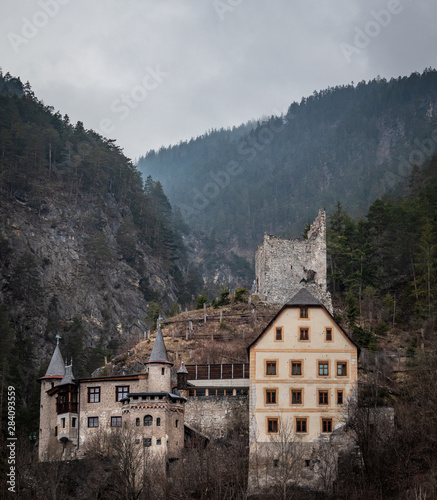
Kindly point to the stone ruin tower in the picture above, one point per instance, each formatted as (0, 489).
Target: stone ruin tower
(283, 267)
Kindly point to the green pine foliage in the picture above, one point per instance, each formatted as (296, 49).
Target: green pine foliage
(388, 259)
(41, 151)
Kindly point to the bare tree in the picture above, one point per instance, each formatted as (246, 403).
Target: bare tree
(135, 472)
(286, 463)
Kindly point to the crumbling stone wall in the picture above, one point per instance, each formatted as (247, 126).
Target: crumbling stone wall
(284, 266)
(214, 416)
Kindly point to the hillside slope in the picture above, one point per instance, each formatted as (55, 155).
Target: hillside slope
(351, 144)
(87, 250)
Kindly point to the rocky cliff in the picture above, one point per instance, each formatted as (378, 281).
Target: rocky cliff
(61, 267)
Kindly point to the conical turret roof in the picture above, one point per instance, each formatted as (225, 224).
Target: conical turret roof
(56, 367)
(159, 352)
(182, 368)
(68, 378)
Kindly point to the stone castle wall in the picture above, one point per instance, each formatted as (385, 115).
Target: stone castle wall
(214, 416)
(284, 266)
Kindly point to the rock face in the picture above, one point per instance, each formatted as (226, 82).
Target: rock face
(60, 264)
(283, 267)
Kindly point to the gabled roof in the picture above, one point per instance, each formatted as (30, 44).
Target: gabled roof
(302, 298)
(56, 367)
(159, 352)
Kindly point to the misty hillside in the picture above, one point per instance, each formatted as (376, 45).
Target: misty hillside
(87, 249)
(350, 143)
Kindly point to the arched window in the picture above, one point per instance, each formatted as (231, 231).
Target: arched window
(158, 421)
(137, 422)
(148, 420)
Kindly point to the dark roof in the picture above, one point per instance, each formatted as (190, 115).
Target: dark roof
(68, 377)
(56, 366)
(159, 352)
(303, 298)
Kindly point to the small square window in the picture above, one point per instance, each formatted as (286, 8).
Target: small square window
(303, 313)
(304, 334)
(296, 396)
(296, 368)
(158, 441)
(328, 334)
(121, 392)
(326, 424)
(323, 398)
(323, 369)
(93, 394)
(340, 397)
(279, 333)
(301, 425)
(270, 367)
(272, 425)
(147, 442)
(115, 421)
(341, 369)
(93, 421)
(271, 398)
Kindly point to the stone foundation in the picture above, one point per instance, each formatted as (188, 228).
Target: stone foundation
(214, 416)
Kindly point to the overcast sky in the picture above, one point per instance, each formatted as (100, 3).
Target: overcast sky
(150, 73)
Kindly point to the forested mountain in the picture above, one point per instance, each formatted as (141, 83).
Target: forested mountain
(87, 249)
(383, 267)
(350, 143)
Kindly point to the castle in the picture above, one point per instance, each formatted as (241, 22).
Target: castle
(302, 372)
(74, 410)
(283, 267)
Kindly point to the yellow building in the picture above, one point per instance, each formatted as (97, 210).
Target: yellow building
(303, 372)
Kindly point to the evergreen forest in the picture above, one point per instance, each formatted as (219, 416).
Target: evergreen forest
(95, 249)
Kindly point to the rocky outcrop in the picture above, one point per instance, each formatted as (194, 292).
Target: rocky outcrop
(60, 263)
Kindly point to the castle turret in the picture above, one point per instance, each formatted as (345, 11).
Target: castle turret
(182, 377)
(48, 421)
(158, 366)
(67, 410)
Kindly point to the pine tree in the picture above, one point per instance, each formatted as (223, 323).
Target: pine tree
(426, 271)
